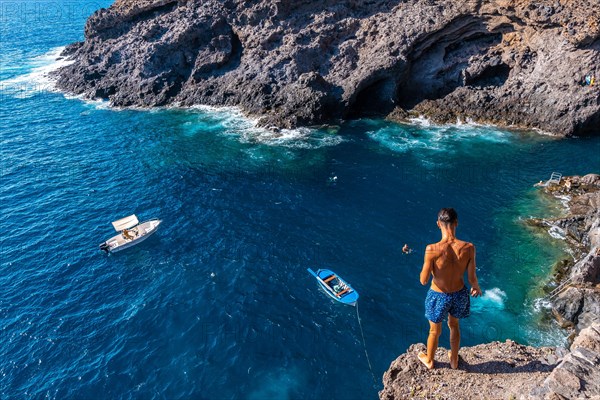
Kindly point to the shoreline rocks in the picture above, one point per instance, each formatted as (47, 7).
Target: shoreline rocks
(512, 371)
(576, 301)
(514, 63)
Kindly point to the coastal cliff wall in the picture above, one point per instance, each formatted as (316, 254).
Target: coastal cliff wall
(508, 62)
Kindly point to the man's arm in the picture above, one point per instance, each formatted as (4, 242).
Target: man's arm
(427, 265)
(472, 275)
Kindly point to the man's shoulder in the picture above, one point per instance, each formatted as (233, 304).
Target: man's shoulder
(433, 247)
(465, 245)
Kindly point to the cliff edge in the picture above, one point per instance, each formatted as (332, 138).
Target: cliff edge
(298, 62)
(501, 371)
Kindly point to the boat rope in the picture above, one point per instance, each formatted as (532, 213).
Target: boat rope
(362, 333)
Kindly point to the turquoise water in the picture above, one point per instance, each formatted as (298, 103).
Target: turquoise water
(218, 304)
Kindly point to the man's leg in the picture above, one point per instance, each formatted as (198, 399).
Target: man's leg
(432, 343)
(454, 340)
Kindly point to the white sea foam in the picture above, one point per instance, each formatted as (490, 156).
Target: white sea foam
(492, 298)
(246, 129)
(39, 78)
(564, 200)
(541, 304)
(557, 232)
(491, 131)
(402, 138)
(468, 122)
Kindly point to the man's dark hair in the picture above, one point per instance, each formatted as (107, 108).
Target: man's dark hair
(448, 216)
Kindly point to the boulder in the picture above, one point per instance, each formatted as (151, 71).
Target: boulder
(578, 374)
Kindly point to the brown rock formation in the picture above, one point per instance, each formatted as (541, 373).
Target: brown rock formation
(501, 371)
(488, 371)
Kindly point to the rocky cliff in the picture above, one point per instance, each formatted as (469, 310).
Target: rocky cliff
(498, 370)
(298, 62)
(576, 303)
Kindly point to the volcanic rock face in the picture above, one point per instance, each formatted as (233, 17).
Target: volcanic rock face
(300, 62)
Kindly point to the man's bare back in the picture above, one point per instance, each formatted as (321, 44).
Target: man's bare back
(449, 260)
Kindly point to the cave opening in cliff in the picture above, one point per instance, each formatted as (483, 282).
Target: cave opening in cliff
(375, 99)
(437, 63)
(588, 127)
(492, 76)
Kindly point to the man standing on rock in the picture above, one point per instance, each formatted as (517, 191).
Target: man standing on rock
(447, 261)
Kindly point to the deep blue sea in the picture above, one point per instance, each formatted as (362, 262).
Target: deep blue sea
(218, 304)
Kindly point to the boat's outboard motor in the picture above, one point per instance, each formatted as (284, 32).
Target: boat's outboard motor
(105, 247)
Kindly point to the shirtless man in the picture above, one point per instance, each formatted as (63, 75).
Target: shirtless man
(447, 261)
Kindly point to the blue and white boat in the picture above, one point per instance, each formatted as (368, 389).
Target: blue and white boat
(131, 233)
(335, 287)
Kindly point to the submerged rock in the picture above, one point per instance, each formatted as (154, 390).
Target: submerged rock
(509, 62)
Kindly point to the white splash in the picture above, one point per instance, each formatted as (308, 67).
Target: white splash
(495, 295)
(491, 298)
(421, 120)
(541, 303)
(557, 232)
(39, 78)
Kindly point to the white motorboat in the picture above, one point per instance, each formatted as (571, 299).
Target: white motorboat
(131, 233)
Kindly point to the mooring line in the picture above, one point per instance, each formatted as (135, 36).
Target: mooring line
(365, 345)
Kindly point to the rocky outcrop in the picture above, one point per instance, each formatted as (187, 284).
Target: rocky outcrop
(577, 304)
(501, 371)
(578, 374)
(297, 62)
(488, 371)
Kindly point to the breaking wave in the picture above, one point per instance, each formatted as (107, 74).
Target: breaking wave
(39, 77)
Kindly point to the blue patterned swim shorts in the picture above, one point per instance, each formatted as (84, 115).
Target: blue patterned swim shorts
(438, 305)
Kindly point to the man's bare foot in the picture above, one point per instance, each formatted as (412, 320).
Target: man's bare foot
(423, 358)
(453, 364)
